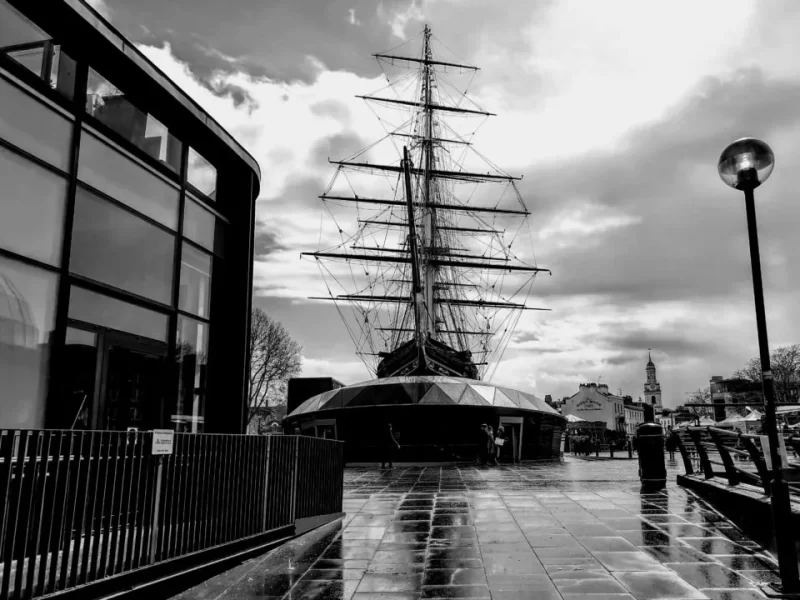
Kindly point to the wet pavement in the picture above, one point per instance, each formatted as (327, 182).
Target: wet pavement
(534, 531)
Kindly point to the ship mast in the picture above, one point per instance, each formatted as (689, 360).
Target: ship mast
(454, 286)
(428, 272)
(416, 290)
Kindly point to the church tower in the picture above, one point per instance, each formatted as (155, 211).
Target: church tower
(652, 389)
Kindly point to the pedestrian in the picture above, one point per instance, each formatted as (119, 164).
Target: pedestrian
(489, 444)
(499, 441)
(671, 445)
(480, 454)
(389, 444)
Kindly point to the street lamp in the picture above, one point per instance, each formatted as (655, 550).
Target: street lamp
(744, 165)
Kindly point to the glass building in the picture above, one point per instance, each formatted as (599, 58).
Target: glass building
(126, 236)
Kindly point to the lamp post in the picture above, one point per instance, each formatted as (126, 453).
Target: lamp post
(744, 165)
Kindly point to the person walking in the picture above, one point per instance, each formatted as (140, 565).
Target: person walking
(671, 445)
(499, 441)
(480, 453)
(489, 444)
(389, 446)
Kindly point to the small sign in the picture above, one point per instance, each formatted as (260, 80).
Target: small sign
(589, 404)
(163, 441)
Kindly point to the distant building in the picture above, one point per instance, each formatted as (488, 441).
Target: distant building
(652, 389)
(733, 391)
(593, 402)
(666, 418)
(634, 416)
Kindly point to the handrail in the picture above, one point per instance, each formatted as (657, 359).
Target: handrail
(707, 439)
(709, 428)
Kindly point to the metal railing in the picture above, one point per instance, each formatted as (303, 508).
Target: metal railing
(741, 456)
(81, 506)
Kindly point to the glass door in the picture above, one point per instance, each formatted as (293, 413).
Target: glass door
(134, 381)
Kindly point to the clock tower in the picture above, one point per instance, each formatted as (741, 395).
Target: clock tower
(652, 389)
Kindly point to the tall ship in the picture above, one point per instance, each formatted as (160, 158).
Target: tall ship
(427, 252)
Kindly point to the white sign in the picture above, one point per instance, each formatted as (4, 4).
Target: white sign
(162, 441)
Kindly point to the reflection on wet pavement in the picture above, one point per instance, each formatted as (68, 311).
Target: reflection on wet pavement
(547, 531)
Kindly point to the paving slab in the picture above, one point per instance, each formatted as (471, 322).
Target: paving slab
(555, 530)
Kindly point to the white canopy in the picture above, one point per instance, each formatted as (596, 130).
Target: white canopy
(753, 417)
(575, 419)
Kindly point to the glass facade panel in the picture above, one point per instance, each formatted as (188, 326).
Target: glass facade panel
(32, 204)
(105, 311)
(16, 29)
(195, 293)
(199, 224)
(114, 246)
(32, 48)
(27, 317)
(123, 179)
(192, 344)
(80, 364)
(202, 174)
(48, 62)
(110, 105)
(33, 126)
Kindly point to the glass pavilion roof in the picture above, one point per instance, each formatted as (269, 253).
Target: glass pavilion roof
(423, 390)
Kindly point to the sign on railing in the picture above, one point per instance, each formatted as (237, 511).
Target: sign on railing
(163, 440)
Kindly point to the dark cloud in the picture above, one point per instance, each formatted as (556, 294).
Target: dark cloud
(691, 241)
(331, 108)
(265, 39)
(672, 339)
(336, 147)
(266, 243)
(525, 336)
(623, 359)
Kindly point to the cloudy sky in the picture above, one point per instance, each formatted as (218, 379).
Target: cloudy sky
(614, 111)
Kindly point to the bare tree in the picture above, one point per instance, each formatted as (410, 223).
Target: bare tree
(785, 363)
(274, 358)
(701, 396)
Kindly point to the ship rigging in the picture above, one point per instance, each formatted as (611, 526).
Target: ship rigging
(435, 282)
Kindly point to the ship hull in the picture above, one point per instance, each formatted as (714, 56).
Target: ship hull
(437, 359)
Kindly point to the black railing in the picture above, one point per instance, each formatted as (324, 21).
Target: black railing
(740, 455)
(81, 506)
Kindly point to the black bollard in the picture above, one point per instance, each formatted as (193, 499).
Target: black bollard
(650, 443)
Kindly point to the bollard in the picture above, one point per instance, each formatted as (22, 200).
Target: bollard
(652, 468)
(630, 448)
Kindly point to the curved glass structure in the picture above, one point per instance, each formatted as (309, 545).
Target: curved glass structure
(433, 418)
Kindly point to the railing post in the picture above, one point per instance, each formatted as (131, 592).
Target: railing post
(266, 485)
(727, 462)
(761, 466)
(687, 461)
(705, 464)
(156, 510)
(294, 478)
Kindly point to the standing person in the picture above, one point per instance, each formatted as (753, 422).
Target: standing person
(499, 441)
(480, 454)
(489, 444)
(389, 445)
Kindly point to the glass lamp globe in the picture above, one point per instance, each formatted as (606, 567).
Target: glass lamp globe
(746, 163)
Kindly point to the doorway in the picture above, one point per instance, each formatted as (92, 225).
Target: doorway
(133, 385)
(112, 380)
(512, 450)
